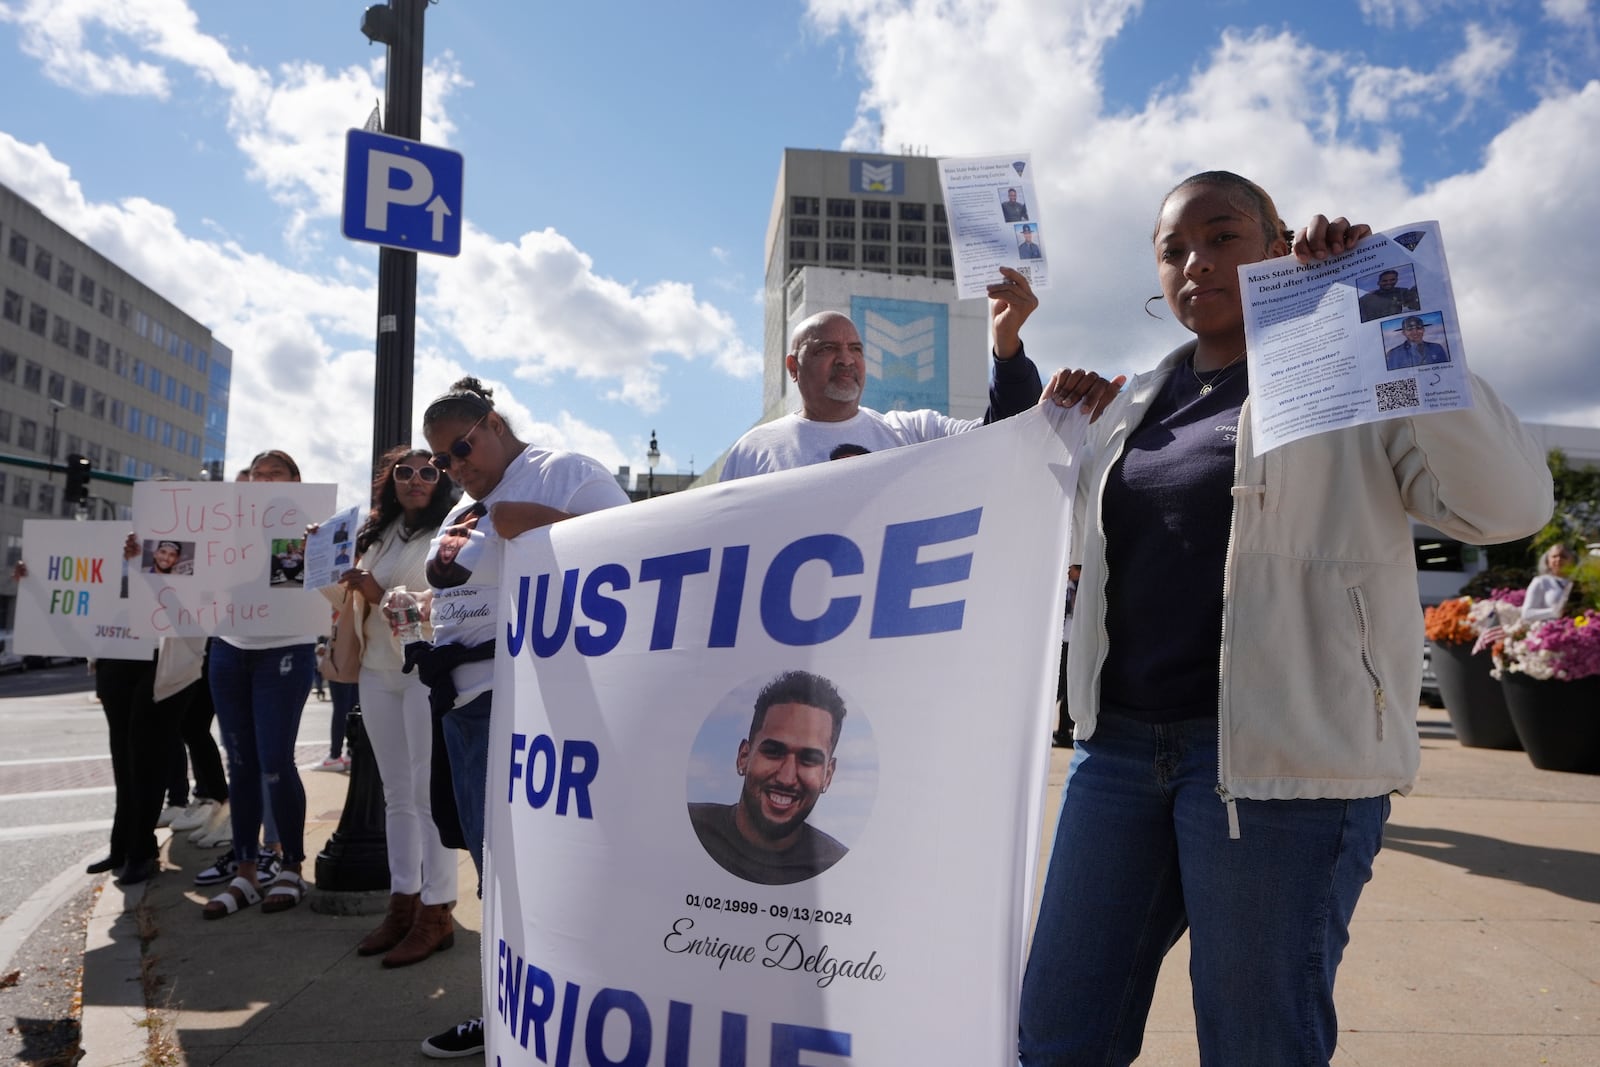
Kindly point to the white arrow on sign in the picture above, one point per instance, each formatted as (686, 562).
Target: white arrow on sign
(439, 210)
(380, 194)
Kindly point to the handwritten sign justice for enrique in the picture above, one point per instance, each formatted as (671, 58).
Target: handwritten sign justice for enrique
(226, 558)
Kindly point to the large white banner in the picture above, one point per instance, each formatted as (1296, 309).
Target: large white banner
(74, 600)
(767, 760)
(226, 558)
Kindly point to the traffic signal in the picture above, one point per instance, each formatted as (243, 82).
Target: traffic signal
(77, 491)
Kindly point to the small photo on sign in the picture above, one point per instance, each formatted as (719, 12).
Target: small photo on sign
(167, 557)
(782, 778)
(1390, 291)
(1028, 241)
(289, 561)
(1415, 341)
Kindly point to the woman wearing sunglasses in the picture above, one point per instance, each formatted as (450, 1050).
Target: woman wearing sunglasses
(410, 499)
(511, 487)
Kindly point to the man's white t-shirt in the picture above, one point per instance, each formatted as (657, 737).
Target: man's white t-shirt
(466, 582)
(796, 441)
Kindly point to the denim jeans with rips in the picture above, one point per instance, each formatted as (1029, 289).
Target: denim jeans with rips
(260, 694)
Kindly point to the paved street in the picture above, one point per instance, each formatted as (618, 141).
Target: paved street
(55, 811)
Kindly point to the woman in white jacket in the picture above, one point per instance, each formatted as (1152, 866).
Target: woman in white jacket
(1243, 667)
(411, 497)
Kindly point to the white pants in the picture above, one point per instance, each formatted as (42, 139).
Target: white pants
(394, 710)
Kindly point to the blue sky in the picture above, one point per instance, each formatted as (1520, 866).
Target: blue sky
(620, 160)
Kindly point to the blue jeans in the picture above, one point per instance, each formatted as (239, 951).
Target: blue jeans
(466, 741)
(259, 694)
(1141, 854)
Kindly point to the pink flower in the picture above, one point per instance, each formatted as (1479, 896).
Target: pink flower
(1570, 646)
(1514, 597)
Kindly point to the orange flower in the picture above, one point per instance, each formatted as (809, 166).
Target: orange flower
(1447, 623)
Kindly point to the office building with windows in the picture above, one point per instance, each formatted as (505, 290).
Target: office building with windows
(845, 220)
(93, 362)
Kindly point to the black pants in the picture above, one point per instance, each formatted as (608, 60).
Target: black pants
(143, 733)
(210, 781)
(1064, 723)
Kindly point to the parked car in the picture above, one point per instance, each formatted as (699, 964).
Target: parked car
(1430, 681)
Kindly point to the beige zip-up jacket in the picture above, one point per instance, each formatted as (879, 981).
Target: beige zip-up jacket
(1321, 620)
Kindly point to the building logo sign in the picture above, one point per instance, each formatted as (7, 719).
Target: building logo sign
(869, 177)
(907, 346)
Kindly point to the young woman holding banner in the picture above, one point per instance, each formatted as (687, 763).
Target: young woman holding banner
(511, 488)
(1242, 671)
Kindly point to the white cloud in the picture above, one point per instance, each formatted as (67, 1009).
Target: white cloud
(1379, 93)
(1521, 271)
(1571, 13)
(290, 124)
(1267, 105)
(535, 305)
(982, 71)
(539, 304)
(1389, 13)
(53, 33)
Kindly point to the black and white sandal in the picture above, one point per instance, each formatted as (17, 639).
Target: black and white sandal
(284, 891)
(239, 894)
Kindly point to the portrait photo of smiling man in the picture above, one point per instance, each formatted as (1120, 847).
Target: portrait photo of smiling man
(785, 766)
(168, 557)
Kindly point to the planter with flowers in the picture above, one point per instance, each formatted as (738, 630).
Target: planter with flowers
(1472, 697)
(1550, 671)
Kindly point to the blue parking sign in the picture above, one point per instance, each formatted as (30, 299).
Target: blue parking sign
(402, 193)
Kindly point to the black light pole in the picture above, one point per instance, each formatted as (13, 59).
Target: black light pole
(399, 25)
(356, 857)
(651, 458)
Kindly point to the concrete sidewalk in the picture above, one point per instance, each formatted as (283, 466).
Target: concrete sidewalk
(264, 989)
(1476, 945)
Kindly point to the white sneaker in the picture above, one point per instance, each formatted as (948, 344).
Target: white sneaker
(222, 834)
(332, 763)
(218, 828)
(168, 813)
(194, 816)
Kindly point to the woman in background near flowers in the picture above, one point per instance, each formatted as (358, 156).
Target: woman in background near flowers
(1231, 772)
(1548, 592)
(260, 686)
(410, 497)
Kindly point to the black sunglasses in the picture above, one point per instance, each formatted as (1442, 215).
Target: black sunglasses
(460, 448)
(404, 472)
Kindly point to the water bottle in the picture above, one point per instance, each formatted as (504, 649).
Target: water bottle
(404, 613)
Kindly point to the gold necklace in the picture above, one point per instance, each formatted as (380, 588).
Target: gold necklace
(1207, 384)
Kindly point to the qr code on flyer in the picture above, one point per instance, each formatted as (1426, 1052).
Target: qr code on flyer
(1398, 394)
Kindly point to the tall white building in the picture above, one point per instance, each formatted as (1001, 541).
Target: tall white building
(93, 362)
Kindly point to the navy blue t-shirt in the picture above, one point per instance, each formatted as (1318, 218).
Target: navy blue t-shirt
(1166, 510)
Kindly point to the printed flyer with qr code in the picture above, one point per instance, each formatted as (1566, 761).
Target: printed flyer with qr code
(1362, 337)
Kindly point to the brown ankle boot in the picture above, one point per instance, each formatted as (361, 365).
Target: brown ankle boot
(433, 931)
(403, 908)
